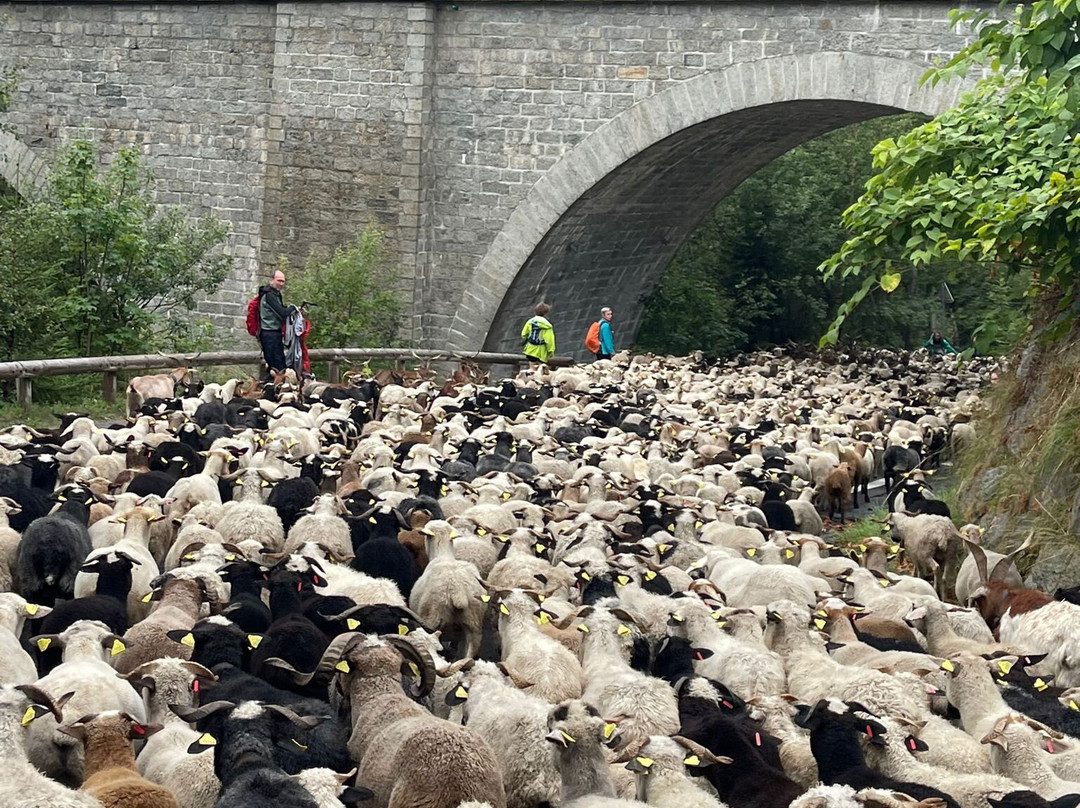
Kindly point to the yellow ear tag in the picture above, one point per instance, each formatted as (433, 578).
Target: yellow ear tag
(862, 547)
(894, 548)
(543, 618)
(1004, 666)
(820, 623)
(1073, 705)
(342, 666)
(43, 643)
(254, 640)
(623, 630)
(644, 761)
(117, 648)
(584, 629)
(789, 553)
(299, 745)
(539, 548)
(415, 669)
(206, 739)
(678, 618)
(372, 520)
(622, 580)
(481, 532)
(692, 760)
(650, 575)
(485, 598)
(585, 576)
(663, 548)
(402, 629)
(570, 738)
(461, 692)
(947, 665)
(609, 730)
(188, 640)
(32, 609)
(148, 596)
(822, 612)
(352, 623)
(28, 716)
(503, 609)
(751, 551)
(698, 523)
(884, 581)
(1040, 685)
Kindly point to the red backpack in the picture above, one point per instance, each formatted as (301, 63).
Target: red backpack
(253, 315)
(592, 337)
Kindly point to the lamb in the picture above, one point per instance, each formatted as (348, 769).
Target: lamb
(9, 546)
(85, 673)
(838, 489)
(578, 733)
(23, 785)
(178, 609)
(136, 545)
(323, 524)
(649, 704)
(16, 666)
(111, 775)
(50, 553)
(553, 673)
(931, 542)
(164, 758)
(1016, 751)
(660, 765)
(514, 724)
(447, 596)
(407, 756)
(895, 758)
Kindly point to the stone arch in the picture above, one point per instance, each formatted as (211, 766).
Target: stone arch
(748, 113)
(20, 167)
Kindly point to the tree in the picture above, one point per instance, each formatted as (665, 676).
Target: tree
(92, 266)
(992, 182)
(351, 292)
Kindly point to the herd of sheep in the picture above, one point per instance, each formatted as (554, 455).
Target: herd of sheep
(601, 585)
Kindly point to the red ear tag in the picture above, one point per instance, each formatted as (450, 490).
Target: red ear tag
(869, 731)
(315, 580)
(138, 729)
(1050, 745)
(700, 656)
(195, 686)
(299, 586)
(757, 738)
(911, 744)
(728, 704)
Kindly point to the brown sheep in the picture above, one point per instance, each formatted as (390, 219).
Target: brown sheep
(838, 489)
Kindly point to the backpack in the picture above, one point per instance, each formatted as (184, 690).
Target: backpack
(592, 338)
(253, 315)
(536, 336)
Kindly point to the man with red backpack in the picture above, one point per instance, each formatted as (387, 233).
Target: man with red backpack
(269, 315)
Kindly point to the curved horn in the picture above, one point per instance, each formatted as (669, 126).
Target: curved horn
(307, 721)
(422, 658)
(39, 696)
(193, 714)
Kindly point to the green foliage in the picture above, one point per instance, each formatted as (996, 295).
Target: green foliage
(40, 416)
(992, 183)
(353, 302)
(93, 267)
(748, 276)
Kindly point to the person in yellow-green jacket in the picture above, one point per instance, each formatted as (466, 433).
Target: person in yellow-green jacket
(539, 335)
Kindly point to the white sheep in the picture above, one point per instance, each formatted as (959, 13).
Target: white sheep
(553, 672)
(16, 665)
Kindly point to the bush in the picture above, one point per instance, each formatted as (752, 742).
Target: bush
(351, 295)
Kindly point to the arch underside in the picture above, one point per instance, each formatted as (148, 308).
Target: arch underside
(20, 167)
(611, 246)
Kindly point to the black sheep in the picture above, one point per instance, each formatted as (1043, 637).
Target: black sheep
(291, 497)
(246, 609)
(52, 549)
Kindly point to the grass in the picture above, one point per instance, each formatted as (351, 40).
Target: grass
(855, 533)
(40, 416)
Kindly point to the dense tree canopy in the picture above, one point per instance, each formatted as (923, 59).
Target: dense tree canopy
(749, 276)
(993, 182)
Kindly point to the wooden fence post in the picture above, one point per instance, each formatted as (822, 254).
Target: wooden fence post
(24, 391)
(334, 372)
(108, 386)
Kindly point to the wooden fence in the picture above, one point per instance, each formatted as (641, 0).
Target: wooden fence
(26, 371)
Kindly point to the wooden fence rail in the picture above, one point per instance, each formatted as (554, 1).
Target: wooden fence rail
(26, 371)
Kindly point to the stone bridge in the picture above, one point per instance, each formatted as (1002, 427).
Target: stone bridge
(508, 151)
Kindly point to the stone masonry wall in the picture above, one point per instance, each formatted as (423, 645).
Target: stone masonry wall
(301, 123)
